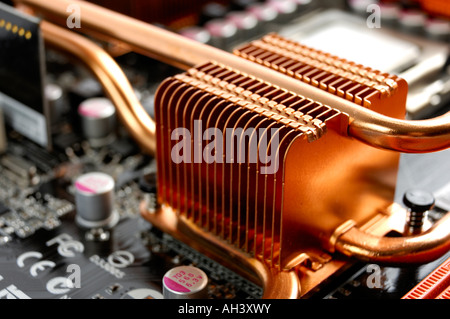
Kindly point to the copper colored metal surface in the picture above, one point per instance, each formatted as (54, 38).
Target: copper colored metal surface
(361, 85)
(276, 284)
(422, 248)
(274, 217)
(112, 78)
(366, 125)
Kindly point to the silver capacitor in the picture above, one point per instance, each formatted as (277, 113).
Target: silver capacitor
(185, 282)
(54, 95)
(413, 21)
(94, 199)
(265, 15)
(98, 120)
(286, 9)
(246, 23)
(223, 33)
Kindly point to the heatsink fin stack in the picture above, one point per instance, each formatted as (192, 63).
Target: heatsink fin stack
(265, 170)
(232, 193)
(356, 83)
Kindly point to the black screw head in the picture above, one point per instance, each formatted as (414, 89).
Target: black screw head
(418, 201)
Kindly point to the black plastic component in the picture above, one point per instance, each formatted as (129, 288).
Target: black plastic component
(66, 140)
(22, 70)
(125, 147)
(20, 59)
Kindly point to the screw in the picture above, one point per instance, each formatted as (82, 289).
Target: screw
(418, 202)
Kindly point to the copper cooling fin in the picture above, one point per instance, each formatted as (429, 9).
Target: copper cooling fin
(230, 197)
(356, 83)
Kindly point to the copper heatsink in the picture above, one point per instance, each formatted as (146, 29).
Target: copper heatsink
(273, 217)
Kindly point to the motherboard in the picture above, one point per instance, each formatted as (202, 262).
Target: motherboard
(80, 194)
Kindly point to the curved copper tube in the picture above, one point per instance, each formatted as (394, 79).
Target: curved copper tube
(422, 248)
(112, 78)
(367, 126)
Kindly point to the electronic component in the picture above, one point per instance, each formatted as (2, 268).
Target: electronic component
(98, 120)
(223, 33)
(286, 9)
(185, 282)
(20, 169)
(22, 69)
(54, 95)
(435, 286)
(26, 212)
(265, 14)
(212, 11)
(94, 199)
(246, 24)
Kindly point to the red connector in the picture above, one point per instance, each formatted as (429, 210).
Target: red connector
(435, 286)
